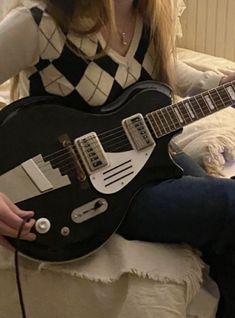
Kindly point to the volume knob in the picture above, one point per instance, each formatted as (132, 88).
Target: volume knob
(42, 225)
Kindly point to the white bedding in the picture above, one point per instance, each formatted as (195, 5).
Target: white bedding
(210, 141)
(124, 279)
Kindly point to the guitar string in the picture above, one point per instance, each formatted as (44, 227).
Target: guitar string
(214, 90)
(121, 130)
(65, 152)
(107, 133)
(65, 157)
(47, 157)
(186, 116)
(72, 161)
(74, 168)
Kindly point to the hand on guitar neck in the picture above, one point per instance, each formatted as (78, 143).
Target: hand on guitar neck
(227, 78)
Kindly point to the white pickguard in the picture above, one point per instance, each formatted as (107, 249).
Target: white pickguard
(122, 168)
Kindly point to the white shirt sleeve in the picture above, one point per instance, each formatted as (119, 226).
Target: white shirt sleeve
(190, 81)
(18, 43)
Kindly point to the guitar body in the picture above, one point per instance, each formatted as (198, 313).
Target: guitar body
(36, 128)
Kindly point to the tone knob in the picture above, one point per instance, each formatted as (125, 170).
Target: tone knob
(42, 225)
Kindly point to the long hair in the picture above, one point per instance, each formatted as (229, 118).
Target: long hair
(157, 16)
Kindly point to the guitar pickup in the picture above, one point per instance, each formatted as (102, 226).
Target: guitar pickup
(91, 152)
(138, 132)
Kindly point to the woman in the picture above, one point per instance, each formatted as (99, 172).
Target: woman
(89, 52)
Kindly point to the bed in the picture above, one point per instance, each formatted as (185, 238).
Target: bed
(115, 282)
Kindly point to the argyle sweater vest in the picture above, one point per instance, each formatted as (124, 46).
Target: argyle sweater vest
(67, 66)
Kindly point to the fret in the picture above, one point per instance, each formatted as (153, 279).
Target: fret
(190, 110)
(209, 100)
(184, 112)
(203, 104)
(230, 91)
(214, 94)
(168, 118)
(163, 119)
(233, 84)
(196, 107)
(152, 125)
(227, 100)
(158, 122)
(173, 116)
(178, 114)
(222, 105)
(156, 129)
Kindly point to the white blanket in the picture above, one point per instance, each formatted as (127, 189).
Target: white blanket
(159, 262)
(123, 279)
(210, 141)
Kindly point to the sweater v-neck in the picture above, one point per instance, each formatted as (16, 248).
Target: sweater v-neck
(117, 57)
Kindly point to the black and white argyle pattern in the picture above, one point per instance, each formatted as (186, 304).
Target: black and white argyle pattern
(62, 71)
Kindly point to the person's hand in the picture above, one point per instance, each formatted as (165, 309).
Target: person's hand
(227, 78)
(11, 219)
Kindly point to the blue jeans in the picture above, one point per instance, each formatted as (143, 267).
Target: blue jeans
(197, 209)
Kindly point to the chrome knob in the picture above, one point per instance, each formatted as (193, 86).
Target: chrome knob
(42, 225)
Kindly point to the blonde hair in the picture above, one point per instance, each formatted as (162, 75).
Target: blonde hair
(157, 16)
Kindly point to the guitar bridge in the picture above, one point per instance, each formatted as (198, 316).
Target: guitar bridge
(138, 132)
(91, 152)
(67, 144)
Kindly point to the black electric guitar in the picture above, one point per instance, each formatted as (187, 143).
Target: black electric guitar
(79, 171)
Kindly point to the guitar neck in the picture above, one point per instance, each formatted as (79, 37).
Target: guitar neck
(174, 117)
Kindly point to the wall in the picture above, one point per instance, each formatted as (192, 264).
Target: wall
(209, 27)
